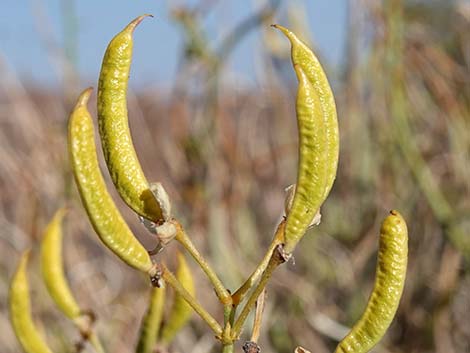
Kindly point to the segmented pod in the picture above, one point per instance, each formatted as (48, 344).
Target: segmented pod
(116, 140)
(102, 212)
(181, 311)
(151, 322)
(52, 268)
(311, 175)
(388, 287)
(20, 311)
(303, 56)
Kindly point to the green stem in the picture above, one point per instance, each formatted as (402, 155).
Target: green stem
(178, 288)
(222, 292)
(249, 283)
(96, 343)
(278, 257)
(227, 348)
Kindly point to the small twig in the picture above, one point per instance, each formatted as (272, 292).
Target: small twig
(238, 296)
(244, 27)
(169, 278)
(222, 292)
(258, 316)
(278, 257)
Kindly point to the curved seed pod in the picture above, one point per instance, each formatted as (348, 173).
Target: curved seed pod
(102, 212)
(306, 59)
(181, 311)
(52, 268)
(311, 176)
(151, 322)
(388, 287)
(116, 140)
(20, 311)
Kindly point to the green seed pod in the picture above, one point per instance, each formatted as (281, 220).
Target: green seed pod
(20, 311)
(303, 56)
(116, 140)
(52, 268)
(181, 311)
(388, 287)
(102, 212)
(311, 176)
(151, 322)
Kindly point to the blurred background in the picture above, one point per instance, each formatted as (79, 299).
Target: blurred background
(211, 109)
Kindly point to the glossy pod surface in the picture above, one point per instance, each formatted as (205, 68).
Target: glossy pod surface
(52, 267)
(303, 56)
(102, 212)
(311, 175)
(388, 287)
(116, 140)
(181, 311)
(20, 311)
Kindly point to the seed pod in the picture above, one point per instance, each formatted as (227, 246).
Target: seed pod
(181, 311)
(311, 175)
(151, 322)
(52, 268)
(388, 287)
(20, 311)
(102, 212)
(303, 56)
(116, 140)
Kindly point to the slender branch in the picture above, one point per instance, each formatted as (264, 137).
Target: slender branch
(245, 26)
(258, 316)
(278, 257)
(227, 348)
(238, 296)
(84, 324)
(96, 343)
(177, 287)
(222, 292)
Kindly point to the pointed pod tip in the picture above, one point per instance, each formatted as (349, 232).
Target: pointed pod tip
(61, 212)
(283, 29)
(289, 34)
(84, 97)
(24, 258)
(134, 23)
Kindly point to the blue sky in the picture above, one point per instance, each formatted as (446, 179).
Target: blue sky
(157, 41)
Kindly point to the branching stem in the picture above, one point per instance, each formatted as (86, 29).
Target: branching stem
(222, 292)
(238, 296)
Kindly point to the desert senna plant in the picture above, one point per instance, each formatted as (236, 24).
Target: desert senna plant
(317, 166)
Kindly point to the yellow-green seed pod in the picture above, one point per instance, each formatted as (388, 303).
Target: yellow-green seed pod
(20, 311)
(311, 175)
(181, 311)
(303, 56)
(102, 212)
(52, 267)
(116, 140)
(151, 322)
(388, 287)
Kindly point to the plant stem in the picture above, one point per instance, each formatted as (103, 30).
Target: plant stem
(96, 343)
(177, 287)
(227, 348)
(238, 296)
(278, 257)
(222, 292)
